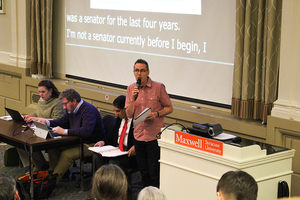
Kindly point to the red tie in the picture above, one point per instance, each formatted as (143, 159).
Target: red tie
(122, 135)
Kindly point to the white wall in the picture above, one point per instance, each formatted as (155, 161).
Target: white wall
(288, 104)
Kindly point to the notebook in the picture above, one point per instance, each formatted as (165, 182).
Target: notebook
(41, 130)
(141, 117)
(15, 115)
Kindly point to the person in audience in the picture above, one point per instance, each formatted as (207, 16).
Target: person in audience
(237, 185)
(81, 119)
(152, 95)
(8, 190)
(49, 107)
(109, 183)
(151, 193)
(122, 125)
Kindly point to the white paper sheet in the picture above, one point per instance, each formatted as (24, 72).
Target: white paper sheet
(108, 151)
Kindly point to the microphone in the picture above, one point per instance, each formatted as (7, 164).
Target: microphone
(138, 84)
(158, 134)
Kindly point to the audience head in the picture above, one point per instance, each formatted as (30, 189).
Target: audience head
(119, 104)
(110, 183)
(237, 185)
(151, 193)
(47, 89)
(8, 189)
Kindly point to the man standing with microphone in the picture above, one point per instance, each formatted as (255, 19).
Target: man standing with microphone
(141, 95)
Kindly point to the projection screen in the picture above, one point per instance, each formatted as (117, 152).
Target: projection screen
(189, 44)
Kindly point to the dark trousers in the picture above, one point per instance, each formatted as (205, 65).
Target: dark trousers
(147, 155)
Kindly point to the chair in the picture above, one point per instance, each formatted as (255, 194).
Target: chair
(86, 174)
(109, 123)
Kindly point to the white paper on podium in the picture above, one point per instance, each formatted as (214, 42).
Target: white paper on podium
(141, 117)
(224, 136)
(108, 151)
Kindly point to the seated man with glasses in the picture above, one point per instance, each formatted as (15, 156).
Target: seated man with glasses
(152, 95)
(121, 131)
(81, 119)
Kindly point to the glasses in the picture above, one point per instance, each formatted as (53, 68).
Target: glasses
(65, 104)
(142, 70)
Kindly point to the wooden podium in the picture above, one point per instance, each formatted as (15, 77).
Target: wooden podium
(190, 165)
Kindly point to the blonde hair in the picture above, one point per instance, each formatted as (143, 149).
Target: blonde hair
(151, 193)
(110, 183)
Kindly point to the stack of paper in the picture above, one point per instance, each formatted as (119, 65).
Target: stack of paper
(6, 118)
(108, 151)
(141, 117)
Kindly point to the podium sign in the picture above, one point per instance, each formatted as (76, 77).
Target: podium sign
(200, 143)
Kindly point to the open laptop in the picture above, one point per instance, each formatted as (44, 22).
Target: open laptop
(41, 130)
(15, 115)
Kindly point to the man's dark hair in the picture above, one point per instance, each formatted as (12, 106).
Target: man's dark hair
(238, 183)
(119, 102)
(70, 95)
(143, 62)
(49, 85)
(8, 187)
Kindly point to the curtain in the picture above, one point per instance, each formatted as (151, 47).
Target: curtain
(41, 37)
(256, 64)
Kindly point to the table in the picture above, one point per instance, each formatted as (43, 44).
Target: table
(11, 133)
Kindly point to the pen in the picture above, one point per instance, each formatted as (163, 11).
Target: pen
(197, 107)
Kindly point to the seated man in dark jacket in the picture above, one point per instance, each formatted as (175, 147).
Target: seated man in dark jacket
(122, 124)
(81, 119)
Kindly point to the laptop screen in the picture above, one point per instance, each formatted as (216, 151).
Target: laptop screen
(42, 130)
(15, 115)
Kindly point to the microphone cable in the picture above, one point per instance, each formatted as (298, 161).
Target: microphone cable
(44, 175)
(14, 134)
(183, 128)
(34, 136)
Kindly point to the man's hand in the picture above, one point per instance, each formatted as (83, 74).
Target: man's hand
(152, 116)
(58, 130)
(134, 92)
(131, 151)
(99, 144)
